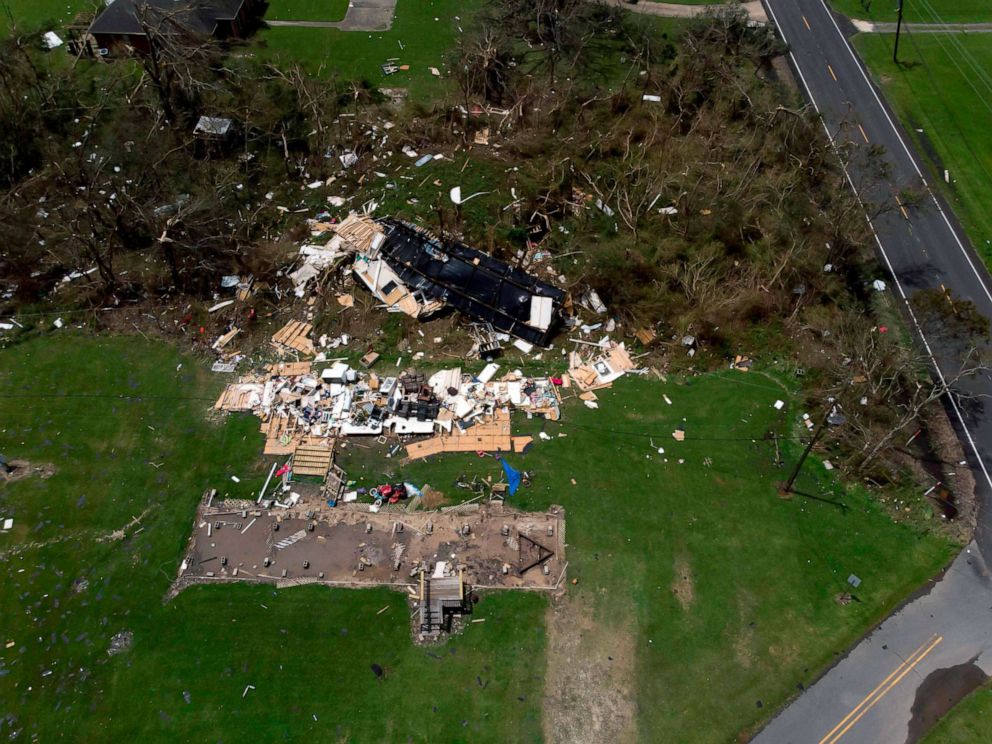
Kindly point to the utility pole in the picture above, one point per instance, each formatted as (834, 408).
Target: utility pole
(895, 50)
(832, 418)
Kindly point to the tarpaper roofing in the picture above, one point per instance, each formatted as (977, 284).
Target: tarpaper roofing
(473, 282)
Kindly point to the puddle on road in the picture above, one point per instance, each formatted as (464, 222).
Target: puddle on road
(941, 691)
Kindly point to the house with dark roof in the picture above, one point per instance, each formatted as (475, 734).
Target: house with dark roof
(126, 23)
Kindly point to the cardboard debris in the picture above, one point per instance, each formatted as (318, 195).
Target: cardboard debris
(521, 443)
(601, 371)
(646, 336)
(346, 300)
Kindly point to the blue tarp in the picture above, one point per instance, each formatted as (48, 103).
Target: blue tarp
(512, 476)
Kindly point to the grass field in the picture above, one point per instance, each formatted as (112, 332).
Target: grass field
(727, 590)
(416, 39)
(308, 652)
(966, 723)
(918, 11)
(724, 592)
(31, 15)
(945, 91)
(307, 10)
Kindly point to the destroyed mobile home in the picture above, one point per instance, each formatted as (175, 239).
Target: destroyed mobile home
(410, 271)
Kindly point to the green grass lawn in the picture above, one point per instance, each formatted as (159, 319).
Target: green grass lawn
(918, 11)
(766, 571)
(967, 723)
(31, 15)
(415, 39)
(129, 435)
(307, 10)
(121, 451)
(943, 90)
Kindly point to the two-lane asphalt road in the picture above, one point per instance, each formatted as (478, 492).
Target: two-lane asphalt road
(891, 686)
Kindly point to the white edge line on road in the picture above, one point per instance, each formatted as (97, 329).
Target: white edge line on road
(902, 142)
(881, 248)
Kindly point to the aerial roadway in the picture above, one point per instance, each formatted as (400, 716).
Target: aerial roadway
(890, 688)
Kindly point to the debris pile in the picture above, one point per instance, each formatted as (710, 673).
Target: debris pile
(299, 406)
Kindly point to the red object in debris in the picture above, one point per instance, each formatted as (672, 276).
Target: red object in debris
(282, 471)
(202, 329)
(386, 491)
(394, 500)
(187, 319)
(883, 329)
(556, 381)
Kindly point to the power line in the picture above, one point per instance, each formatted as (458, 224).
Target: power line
(953, 41)
(950, 111)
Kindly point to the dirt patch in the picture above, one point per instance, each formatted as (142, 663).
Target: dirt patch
(433, 498)
(744, 639)
(589, 692)
(21, 469)
(960, 478)
(684, 587)
(941, 691)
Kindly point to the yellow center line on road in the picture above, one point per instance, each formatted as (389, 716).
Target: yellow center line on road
(807, 24)
(869, 700)
(862, 130)
(831, 69)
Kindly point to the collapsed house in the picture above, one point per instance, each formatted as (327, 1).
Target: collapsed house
(472, 282)
(410, 271)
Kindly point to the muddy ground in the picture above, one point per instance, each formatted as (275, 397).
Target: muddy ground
(21, 469)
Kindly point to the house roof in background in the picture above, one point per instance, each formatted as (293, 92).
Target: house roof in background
(197, 16)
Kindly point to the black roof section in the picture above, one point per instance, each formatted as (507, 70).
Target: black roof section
(198, 16)
(469, 280)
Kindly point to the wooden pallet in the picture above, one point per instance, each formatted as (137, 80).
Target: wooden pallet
(491, 436)
(294, 335)
(313, 459)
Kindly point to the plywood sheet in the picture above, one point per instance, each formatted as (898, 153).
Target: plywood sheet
(490, 436)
